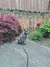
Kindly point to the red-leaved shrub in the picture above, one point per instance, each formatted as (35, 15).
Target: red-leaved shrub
(9, 27)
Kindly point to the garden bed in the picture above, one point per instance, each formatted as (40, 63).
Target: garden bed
(41, 34)
(44, 42)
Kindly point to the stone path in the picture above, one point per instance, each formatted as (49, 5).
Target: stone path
(13, 55)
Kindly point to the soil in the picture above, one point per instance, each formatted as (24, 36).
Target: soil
(45, 42)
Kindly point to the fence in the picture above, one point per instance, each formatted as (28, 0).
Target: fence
(33, 5)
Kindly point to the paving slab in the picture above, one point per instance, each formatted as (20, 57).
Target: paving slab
(13, 55)
(39, 55)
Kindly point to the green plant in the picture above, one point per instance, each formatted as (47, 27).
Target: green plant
(35, 35)
(45, 29)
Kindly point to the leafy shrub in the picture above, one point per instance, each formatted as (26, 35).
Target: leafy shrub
(45, 29)
(35, 35)
(9, 27)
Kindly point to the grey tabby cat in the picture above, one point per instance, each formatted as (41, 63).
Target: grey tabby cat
(22, 38)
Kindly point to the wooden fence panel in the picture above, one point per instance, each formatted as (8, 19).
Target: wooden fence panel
(33, 5)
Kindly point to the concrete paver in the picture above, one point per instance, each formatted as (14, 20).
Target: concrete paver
(39, 55)
(13, 55)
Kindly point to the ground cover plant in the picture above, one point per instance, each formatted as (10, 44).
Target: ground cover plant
(42, 31)
(45, 29)
(35, 35)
